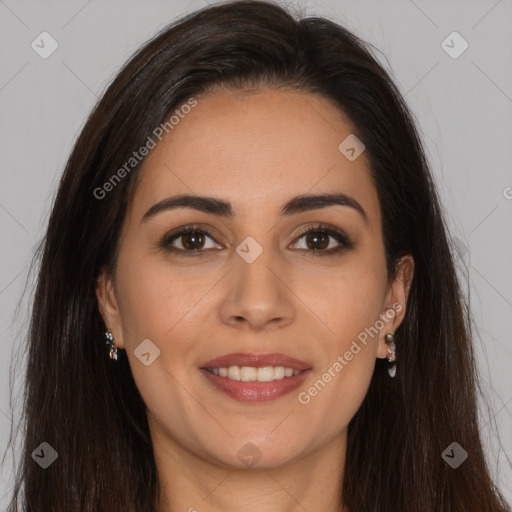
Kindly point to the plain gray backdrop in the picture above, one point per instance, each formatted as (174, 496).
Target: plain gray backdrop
(462, 101)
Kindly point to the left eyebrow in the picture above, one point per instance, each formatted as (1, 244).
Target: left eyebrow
(223, 208)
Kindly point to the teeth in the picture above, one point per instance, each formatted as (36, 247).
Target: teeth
(234, 373)
(251, 374)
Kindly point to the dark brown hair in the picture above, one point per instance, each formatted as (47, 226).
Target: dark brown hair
(89, 409)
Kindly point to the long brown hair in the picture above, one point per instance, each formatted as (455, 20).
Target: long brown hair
(89, 409)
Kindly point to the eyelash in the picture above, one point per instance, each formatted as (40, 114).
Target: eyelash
(332, 231)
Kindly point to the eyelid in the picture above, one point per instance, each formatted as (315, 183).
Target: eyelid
(338, 234)
(165, 241)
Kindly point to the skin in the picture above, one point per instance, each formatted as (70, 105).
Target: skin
(257, 150)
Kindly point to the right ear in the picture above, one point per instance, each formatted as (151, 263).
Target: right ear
(108, 307)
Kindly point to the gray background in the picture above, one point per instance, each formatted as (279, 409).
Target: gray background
(463, 108)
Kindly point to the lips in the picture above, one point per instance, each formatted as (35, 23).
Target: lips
(255, 361)
(256, 392)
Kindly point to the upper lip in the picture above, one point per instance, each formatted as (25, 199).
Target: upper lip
(256, 361)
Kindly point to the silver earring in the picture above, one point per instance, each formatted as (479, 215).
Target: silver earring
(390, 340)
(110, 342)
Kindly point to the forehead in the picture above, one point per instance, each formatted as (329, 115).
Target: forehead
(256, 149)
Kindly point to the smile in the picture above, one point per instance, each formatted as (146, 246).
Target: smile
(252, 374)
(254, 391)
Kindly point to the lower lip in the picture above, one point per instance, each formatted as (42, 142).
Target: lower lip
(256, 391)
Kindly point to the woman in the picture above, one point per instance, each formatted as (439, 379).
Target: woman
(249, 221)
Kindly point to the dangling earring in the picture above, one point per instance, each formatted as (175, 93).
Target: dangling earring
(110, 342)
(390, 340)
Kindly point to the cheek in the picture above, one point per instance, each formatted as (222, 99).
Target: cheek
(155, 299)
(348, 300)
(339, 386)
(157, 304)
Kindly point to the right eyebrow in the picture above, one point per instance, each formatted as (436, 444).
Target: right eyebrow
(224, 208)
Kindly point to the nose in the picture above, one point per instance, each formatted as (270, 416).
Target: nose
(258, 295)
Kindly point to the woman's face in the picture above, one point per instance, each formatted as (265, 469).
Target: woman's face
(250, 282)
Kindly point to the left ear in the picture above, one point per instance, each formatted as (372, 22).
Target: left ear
(396, 300)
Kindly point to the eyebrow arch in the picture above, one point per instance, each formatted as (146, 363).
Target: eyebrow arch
(223, 208)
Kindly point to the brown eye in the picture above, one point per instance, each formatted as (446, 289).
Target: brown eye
(317, 240)
(193, 240)
(188, 240)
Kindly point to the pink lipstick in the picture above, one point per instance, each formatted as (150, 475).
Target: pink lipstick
(248, 377)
